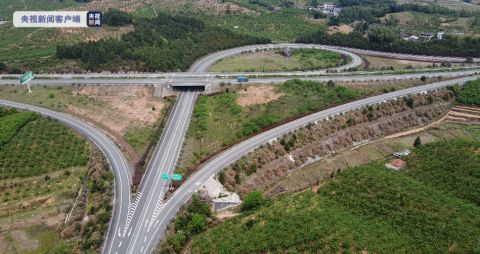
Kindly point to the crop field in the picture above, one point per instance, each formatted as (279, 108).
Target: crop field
(268, 61)
(11, 123)
(364, 209)
(42, 164)
(40, 147)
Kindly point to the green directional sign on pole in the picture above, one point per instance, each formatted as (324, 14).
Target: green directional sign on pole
(177, 177)
(165, 176)
(26, 77)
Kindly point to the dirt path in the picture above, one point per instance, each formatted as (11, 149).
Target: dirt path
(464, 114)
(409, 132)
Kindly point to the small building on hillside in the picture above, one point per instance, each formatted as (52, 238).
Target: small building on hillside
(336, 11)
(426, 36)
(330, 9)
(440, 35)
(396, 164)
(328, 6)
(1, 19)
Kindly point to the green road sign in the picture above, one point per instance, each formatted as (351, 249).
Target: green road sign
(165, 176)
(177, 177)
(26, 77)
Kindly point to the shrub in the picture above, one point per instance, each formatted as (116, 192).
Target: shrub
(253, 200)
(197, 224)
(470, 93)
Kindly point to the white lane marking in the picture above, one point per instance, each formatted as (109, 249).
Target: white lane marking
(289, 128)
(100, 140)
(188, 97)
(131, 210)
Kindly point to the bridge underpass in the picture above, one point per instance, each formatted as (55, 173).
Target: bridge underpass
(162, 90)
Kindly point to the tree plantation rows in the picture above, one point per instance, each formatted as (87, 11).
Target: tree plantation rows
(164, 43)
(39, 147)
(11, 123)
(368, 209)
(432, 164)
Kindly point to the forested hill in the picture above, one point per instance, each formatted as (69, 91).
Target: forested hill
(384, 39)
(164, 43)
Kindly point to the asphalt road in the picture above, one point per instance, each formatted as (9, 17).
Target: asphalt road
(117, 162)
(151, 214)
(150, 203)
(215, 165)
(204, 63)
(185, 81)
(137, 226)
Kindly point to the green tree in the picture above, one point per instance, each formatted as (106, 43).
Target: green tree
(253, 200)
(197, 206)
(114, 17)
(470, 93)
(197, 224)
(177, 240)
(417, 142)
(382, 35)
(3, 67)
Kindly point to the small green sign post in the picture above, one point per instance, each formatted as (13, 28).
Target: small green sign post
(25, 78)
(177, 177)
(165, 176)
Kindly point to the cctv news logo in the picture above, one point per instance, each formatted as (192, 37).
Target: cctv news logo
(57, 19)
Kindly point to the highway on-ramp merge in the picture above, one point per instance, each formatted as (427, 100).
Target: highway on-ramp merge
(138, 225)
(222, 160)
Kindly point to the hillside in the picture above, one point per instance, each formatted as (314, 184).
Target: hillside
(367, 209)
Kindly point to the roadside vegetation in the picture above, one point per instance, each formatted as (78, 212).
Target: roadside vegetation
(225, 118)
(469, 94)
(193, 219)
(219, 121)
(87, 227)
(268, 61)
(366, 209)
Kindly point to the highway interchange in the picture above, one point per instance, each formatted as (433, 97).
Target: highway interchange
(138, 225)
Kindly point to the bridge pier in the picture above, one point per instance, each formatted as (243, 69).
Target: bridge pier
(163, 90)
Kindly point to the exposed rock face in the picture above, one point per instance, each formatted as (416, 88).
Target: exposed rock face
(263, 167)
